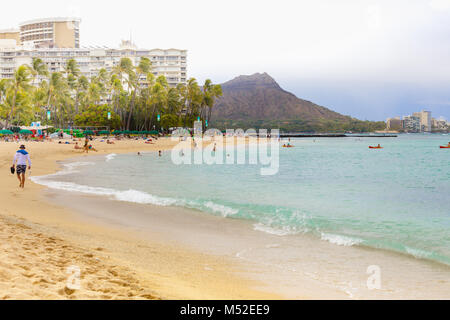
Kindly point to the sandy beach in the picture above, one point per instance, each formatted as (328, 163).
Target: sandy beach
(41, 240)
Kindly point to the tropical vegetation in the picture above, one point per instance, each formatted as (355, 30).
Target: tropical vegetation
(127, 98)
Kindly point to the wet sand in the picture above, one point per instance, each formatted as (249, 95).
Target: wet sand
(291, 266)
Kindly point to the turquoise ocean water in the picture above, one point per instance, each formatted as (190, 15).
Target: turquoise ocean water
(335, 189)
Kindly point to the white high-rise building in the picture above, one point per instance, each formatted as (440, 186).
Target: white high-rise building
(172, 63)
(425, 120)
(56, 40)
(51, 32)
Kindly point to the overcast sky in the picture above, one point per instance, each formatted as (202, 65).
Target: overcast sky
(368, 59)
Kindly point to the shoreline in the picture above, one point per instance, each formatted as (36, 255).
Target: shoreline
(165, 229)
(47, 222)
(203, 232)
(335, 239)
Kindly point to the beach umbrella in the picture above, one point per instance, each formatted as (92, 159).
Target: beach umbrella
(6, 132)
(127, 132)
(134, 132)
(25, 132)
(117, 132)
(153, 132)
(104, 132)
(90, 132)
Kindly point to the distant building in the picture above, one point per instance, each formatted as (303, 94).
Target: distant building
(439, 124)
(418, 122)
(394, 124)
(425, 120)
(411, 124)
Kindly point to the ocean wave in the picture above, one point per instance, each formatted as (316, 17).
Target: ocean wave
(224, 211)
(110, 157)
(340, 240)
(281, 231)
(417, 253)
(130, 195)
(68, 168)
(143, 198)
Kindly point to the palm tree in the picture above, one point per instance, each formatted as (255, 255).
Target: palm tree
(158, 96)
(38, 69)
(212, 92)
(57, 91)
(3, 88)
(135, 82)
(116, 89)
(72, 68)
(192, 98)
(133, 91)
(123, 72)
(39, 99)
(20, 82)
(146, 94)
(81, 88)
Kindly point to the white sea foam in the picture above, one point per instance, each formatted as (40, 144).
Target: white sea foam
(128, 195)
(340, 240)
(223, 210)
(283, 231)
(68, 168)
(110, 157)
(143, 198)
(418, 253)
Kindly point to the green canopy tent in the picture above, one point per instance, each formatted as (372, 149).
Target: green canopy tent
(26, 132)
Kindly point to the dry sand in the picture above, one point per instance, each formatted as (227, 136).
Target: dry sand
(41, 240)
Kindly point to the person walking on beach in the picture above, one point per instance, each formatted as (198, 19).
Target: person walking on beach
(21, 158)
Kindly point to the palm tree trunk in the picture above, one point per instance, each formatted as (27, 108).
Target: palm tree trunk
(131, 109)
(153, 114)
(209, 114)
(13, 105)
